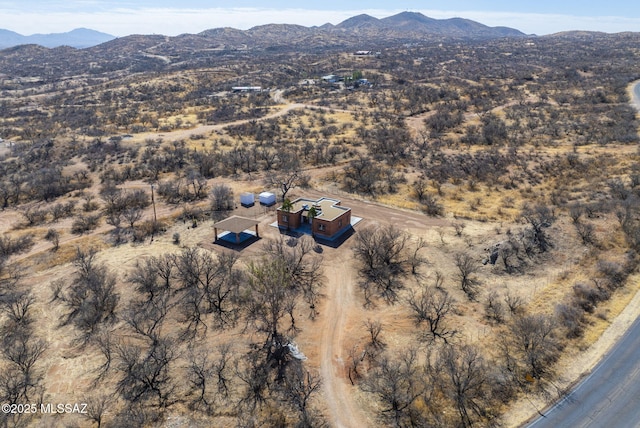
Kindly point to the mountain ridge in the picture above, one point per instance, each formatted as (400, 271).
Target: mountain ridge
(405, 25)
(78, 38)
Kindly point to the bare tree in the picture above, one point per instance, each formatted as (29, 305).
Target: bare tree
(22, 350)
(147, 317)
(532, 345)
(146, 373)
(383, 263)
(493, 307)
(208, 285)
(15, 305)
(586, 232)
(416, 259)
(132, 215)
(91, 298)
(514, 302)
(209, 379)
(97, 406)
(285, 180)
(154, 275)
(432, 306)
(575, 212)
(270, 298)
(10, 246)
(539, 218)
(374, 328)
(300, 386)
(459, 228)
(53, 236)
(302, 264)
(462, 375)
(105, 343)
(221, 200)
(467, 267)
(398, 384)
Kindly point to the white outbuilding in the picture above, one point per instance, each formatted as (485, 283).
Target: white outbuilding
(247, 199)
(267, 198)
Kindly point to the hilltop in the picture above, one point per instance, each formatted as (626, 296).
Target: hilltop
(355, 30)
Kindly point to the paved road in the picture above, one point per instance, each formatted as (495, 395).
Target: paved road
(609, 397)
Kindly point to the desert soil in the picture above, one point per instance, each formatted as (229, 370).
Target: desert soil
(339, 324)
(327, 340)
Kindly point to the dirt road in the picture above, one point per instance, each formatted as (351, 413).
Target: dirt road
(342, 411)
(342, 313)
(282, 109)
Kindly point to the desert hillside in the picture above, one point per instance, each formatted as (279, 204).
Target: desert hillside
(493, 192)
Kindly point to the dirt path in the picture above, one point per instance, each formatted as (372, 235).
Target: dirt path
(342, 411)
(284, 108)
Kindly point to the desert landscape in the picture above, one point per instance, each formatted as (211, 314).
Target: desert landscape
(494, 179)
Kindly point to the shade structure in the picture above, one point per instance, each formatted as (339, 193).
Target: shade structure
(236, 224)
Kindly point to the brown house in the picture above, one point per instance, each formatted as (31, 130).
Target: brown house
(325, 217)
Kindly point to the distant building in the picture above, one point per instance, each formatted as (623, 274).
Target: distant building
(246, 89)
(362, 53)
(324, 216)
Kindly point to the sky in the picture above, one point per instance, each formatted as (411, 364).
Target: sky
(171, 17)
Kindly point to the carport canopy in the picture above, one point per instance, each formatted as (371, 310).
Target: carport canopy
(236, 224)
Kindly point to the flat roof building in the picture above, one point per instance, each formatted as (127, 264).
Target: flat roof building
(325, 216)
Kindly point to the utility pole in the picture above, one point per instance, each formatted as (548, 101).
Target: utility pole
(155, 216)
(153, 201)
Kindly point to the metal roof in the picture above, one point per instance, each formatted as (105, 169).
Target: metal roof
(236, 224)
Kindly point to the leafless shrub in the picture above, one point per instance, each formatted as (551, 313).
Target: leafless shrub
(15, 305)
(571, 317)
(514, 302)
(458, 227)
(431, 205)
(89, 203)
(431, 307)
(382, 258)
(586, 232)
(10, 246)
(587, 296)
(149, 228)
(463, 377)
(493, 307)
(209, 378)
(467, 268)
(398, 384)
(85, 223)
(61, 210)
(613, 273)
(532, 345)
(374, 328)
(146, 373)
(90, 298)
(221, 200)
(575, 212)
(356, 359)
(53, 236)
(97, 406)
(34, 215)
(539, 218)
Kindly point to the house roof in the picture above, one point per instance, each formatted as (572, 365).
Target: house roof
(328, 209)
(236, 224)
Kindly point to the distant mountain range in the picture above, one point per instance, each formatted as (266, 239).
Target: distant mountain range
(78, 38)
(143, 53)
(356, 30)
